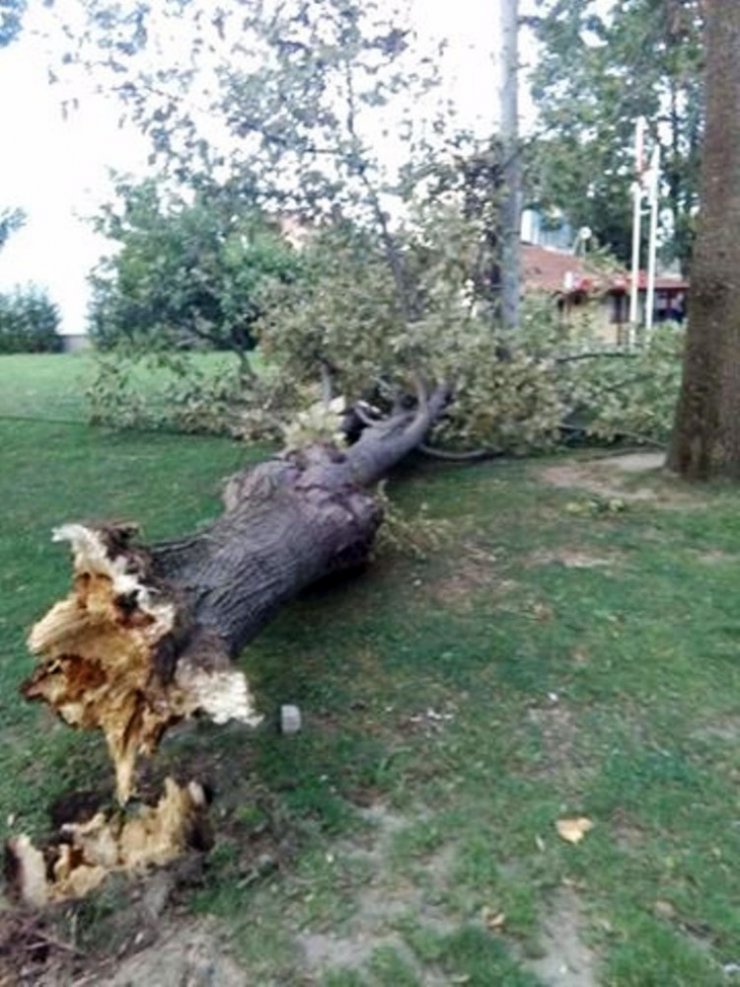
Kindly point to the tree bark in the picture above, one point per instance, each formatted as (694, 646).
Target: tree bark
(148, 634)
(706, 436)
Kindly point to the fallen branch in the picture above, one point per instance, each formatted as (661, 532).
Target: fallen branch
(447, 455)
(597, 355)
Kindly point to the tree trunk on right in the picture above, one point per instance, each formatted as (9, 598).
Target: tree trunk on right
(706, 436)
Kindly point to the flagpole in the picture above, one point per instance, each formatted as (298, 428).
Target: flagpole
(636, 228)
(653, 250)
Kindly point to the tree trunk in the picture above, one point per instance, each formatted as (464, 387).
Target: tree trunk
(148, 634)
(706, 437)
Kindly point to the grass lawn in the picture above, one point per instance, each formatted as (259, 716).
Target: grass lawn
(571, 651)
(52, 386)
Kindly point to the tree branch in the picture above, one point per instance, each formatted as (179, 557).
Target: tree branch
(609, 354)
(475, 455)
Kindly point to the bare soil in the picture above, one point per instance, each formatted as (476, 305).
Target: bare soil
(476, 570)
(606, 477)
(571, 558)
(567, 960)
(385, 899)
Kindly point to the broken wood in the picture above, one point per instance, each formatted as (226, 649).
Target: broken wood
(148, 634)
(84, 853)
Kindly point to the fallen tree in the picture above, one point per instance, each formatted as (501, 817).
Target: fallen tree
(148, 634)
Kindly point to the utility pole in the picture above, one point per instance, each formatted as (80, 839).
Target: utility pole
(511, 206)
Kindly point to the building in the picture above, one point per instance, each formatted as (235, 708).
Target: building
(585, 293)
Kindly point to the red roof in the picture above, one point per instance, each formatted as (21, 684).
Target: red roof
(545, 269)
(663, 282)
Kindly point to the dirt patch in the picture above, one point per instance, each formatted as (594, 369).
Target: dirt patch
(613, 479)
(725, 729)
(716, 556)
(326, 952)
(629, 836)
(385, 900)
(558, 730)
(596, 478)
(190, 953)
(476, 570)
(567, 961)
(35, 952)
(638, 462)
(570, 558)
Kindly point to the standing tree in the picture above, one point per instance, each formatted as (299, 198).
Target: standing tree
(11, 15)
(706, 438)
(10, 221)
(185, 274)
(598, 73)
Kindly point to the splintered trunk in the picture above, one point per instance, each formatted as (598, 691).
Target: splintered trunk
(148, 634)
(706, 437)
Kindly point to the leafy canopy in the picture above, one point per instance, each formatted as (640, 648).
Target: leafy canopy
(185, 272)
(400, 282)
(11, 18)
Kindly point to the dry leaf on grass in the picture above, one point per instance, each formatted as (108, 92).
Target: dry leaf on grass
(573, 830)
(664, 909)
(494, 920)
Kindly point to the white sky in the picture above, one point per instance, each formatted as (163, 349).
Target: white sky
(57, 169)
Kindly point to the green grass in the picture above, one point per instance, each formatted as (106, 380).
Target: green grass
(455, 709)
(44, 386)
(53, 386)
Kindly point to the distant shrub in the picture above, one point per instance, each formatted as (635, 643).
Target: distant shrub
(29, 322)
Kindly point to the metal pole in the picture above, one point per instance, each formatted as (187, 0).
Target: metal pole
(511, 206)
(654, 196)
(635, 277)
(636, 228)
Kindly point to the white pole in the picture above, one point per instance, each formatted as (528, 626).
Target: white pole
(636, 224)
(635, 277)
(654, 196)
(511, 205)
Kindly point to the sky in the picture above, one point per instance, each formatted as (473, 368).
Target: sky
(57, 168)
